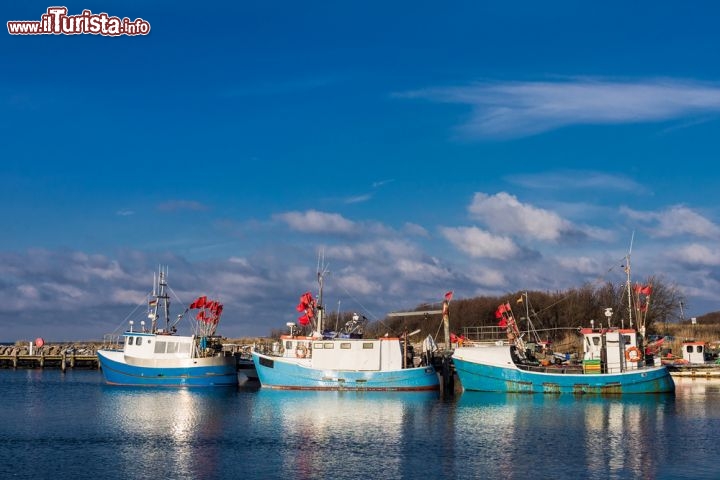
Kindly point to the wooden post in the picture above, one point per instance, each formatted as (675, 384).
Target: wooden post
(42, 360)
(62, 362)
(15, 358)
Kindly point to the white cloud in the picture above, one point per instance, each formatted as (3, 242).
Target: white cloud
(479, 243)
(582, 265)
(28, 292)
(675, 221)
(125, 296)
(358, 198)
(359, 284)
(577, 180)
(313, 221)
(380, 183)
(415, 230)
(516, 109)
(241, 261)
(413, 268)
(696, 254)
(487, 277)
(503, 213)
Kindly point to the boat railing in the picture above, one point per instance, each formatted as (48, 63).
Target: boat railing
(113, 341)
(568, 369)
(483, 334)
(575, 369)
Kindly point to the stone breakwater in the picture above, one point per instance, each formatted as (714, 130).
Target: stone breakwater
(61, 355)
(56, 349)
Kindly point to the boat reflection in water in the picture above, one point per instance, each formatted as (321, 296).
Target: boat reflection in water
(341, 434)
(175, 430)
(576, 436)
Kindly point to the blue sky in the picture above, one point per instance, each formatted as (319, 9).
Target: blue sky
(478, 147)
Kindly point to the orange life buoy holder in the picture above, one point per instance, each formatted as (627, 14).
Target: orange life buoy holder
(633, 354)
(301, 351)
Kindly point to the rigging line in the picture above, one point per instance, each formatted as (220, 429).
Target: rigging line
(370, 314)
(182, 315)
(437, 333)
(538, 312)
(600, 278)
(123, 322)
(174, 294)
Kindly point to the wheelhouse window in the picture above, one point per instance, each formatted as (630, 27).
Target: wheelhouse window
(160, 347)
(138, 341)
(367, 346)
(129, 340)
(345, 345)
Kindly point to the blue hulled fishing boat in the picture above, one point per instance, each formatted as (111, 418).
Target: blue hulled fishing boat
(159, 357)
(339, 361)
(617, 368)
(613, 358)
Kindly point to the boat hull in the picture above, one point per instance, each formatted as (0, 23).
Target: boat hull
(190, 372)
(487, 377)
(289, 374)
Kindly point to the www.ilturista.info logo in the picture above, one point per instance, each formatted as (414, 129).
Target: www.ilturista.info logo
(57, 22)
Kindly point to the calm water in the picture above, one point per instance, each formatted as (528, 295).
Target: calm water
(71, 425)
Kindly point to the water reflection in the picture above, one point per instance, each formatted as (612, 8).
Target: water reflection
(174, 430)
(342, 434)
(588, 437)
(75, 425)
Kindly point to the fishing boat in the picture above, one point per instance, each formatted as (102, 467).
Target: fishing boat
(612, 364)
(324, 360)
(158, 356)
(612, 359)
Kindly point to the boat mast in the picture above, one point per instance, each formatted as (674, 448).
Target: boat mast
(628, 285)
(164, 296)
(321, 271)
(152, 314)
